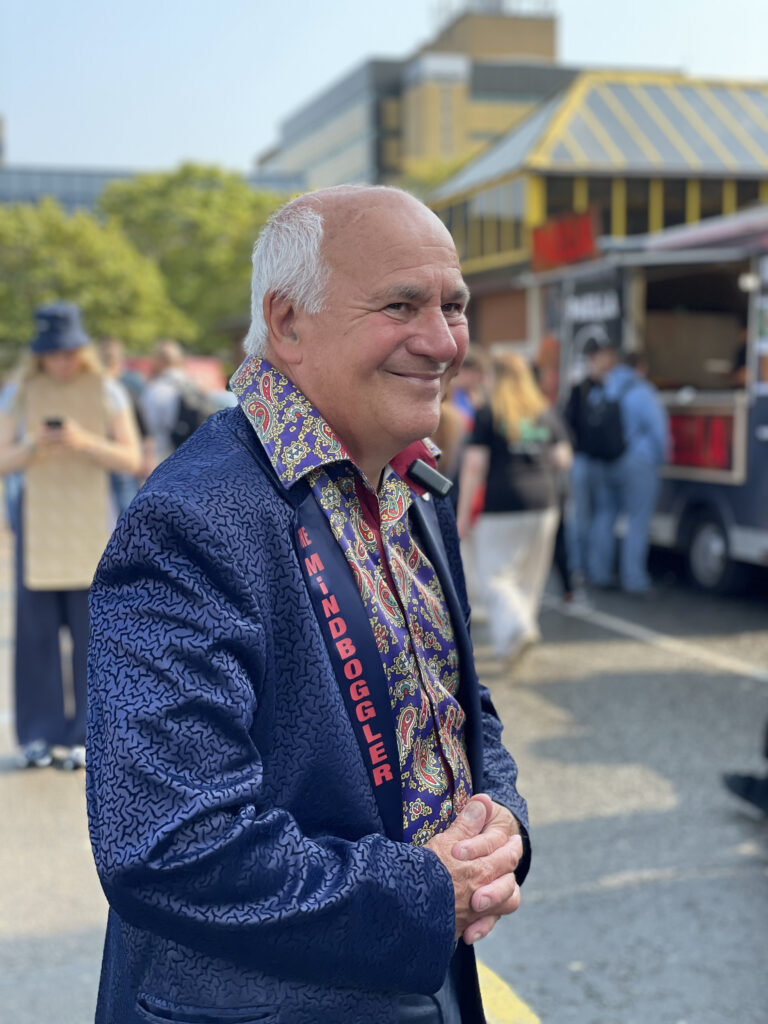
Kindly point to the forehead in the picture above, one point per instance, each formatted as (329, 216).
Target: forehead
(391, 242)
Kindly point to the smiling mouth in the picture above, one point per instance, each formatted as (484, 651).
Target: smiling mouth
(419, 378)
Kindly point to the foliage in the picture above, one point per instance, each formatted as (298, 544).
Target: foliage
(47, 255)
(199, 225)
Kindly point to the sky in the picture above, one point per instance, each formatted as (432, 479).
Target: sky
(147, 84)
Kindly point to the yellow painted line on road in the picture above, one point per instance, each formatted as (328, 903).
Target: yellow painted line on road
(500, 1003)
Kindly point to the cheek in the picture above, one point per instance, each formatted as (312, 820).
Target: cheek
(461, 338)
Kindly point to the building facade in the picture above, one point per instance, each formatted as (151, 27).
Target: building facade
(641, 151)
(388, 119)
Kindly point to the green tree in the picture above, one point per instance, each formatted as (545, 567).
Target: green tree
(199, 225)
(47, 255)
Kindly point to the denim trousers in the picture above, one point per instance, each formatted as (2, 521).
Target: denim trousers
(579, 511)
(42, 710)
(627, 487)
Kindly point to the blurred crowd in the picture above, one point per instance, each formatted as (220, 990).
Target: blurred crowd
(80, 430)
(536, 484)
(539, 483)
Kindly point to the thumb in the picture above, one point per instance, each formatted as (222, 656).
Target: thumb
(472, 819)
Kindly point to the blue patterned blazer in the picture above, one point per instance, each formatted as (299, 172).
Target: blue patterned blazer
(235, 829)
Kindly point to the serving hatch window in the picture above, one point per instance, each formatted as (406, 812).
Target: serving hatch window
(695, 326)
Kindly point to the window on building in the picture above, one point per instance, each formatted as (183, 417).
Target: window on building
(459, 229)
(711, 198)
(390, 152)
(447, 147)
(390, 114)
(559, 196)
(483, 214)
(637, 205)
(599, 193)
(674, 202)
(747, 193)
(511, 212)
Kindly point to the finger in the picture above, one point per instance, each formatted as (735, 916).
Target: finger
(473, 818)
(479, 929)
(511, 905)
(500, 864)
(492, 839)
(493, 897)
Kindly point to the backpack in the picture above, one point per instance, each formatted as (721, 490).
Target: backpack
(602, 426)
(194, 409)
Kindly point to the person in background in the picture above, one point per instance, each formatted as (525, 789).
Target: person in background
(64, 427)
(162, 395)
(300, 806)
(517, 450)
(449, 438)
(739, 372)
(638, 362)
(125, 486)
(469, 391)
(628, 484)
(582, 477)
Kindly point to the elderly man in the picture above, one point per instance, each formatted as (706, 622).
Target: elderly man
(300, 806)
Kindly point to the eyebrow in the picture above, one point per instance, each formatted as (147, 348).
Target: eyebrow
(414, 293)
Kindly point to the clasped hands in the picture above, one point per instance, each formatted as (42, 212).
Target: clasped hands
(481, 850)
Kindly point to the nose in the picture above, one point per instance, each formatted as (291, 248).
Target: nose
(434, 337)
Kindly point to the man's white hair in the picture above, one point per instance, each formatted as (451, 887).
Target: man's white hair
(288, 259)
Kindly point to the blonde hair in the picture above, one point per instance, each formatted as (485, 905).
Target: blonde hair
(515, 395)
(31, 366)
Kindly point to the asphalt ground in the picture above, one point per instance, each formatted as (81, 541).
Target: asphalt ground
(648, 894)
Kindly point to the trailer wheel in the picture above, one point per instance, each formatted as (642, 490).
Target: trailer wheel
(709, 563)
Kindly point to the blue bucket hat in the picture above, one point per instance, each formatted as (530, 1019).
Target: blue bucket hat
(59, 329)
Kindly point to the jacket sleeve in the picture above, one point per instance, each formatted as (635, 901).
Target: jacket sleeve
(186, 842)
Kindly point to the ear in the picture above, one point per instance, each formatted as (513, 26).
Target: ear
(282, 334)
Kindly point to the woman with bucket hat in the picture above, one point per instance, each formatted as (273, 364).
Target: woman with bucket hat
(64, 427)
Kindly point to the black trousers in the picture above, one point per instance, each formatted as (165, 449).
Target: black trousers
(441, 1008)
(39, 682)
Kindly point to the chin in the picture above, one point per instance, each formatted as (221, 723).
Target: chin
(420, 427)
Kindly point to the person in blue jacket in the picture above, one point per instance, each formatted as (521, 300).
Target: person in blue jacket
(300, 806)
(627, 485)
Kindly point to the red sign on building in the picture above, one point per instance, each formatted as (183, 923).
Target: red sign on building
(563, 240)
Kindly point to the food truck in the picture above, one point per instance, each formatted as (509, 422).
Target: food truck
(692, 302)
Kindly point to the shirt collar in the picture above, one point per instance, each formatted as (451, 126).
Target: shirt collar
(294, 435)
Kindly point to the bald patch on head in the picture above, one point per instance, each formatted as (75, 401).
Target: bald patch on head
(361, 213)
(348, 209)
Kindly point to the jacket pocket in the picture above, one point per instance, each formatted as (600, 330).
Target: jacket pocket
(161, 1012)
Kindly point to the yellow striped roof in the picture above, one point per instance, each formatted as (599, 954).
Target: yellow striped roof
(633, 123)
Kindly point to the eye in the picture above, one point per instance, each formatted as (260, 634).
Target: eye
(399, 309)
(453, 309)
